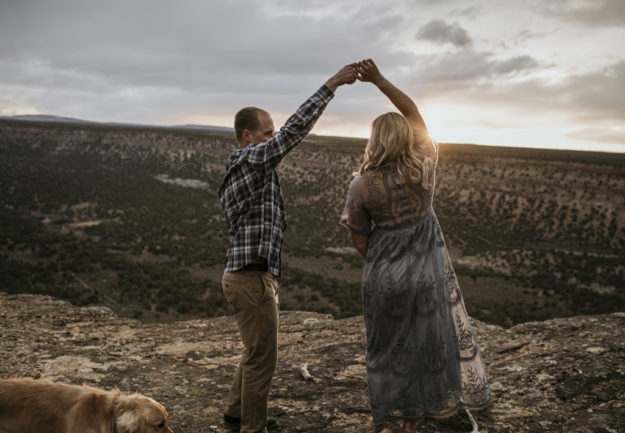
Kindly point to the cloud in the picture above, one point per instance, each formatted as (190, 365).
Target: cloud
(156, 61)
(209, 46)
(591, 102)
(513, 65)
(472, 11)
(440, 31)
(114, 61)
(596, 13)
(448, 73)
(598, 95)
(594, 98)
(607, 134)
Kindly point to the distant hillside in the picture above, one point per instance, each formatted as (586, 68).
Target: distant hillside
(45, 118)
(59, 119)
(205, 127)
(128, 217)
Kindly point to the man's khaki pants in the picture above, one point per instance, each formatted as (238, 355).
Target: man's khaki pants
(254, 297)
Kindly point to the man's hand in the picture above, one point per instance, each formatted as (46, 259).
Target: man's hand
(368, 71)
(347, 75)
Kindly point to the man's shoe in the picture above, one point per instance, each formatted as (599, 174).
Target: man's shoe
(234, 424)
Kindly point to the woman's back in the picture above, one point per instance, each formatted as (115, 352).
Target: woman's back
(388, 199)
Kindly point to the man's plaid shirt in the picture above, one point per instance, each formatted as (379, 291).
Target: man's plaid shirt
(250, 193)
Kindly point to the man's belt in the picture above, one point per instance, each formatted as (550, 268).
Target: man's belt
(261, 267)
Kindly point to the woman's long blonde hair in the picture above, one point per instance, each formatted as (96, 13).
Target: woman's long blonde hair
(394, 145)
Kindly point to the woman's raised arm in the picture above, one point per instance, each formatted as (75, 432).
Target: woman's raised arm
(368, 71)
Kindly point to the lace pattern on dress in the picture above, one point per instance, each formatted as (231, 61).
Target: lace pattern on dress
(422, 357)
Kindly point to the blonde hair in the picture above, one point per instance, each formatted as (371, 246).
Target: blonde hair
(394, 145)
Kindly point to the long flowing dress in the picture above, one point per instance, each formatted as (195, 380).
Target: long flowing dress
(422, 357)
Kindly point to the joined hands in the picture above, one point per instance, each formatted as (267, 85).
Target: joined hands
(365, 70)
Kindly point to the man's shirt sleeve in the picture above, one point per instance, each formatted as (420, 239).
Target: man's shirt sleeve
(267, 155)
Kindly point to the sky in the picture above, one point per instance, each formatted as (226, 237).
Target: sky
(497, 72)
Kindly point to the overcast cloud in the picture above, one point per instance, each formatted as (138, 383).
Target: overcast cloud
(440, 31)
(510, 73)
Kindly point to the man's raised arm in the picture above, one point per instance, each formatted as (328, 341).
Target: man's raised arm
(271, 152)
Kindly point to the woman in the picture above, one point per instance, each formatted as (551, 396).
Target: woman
(422, 358)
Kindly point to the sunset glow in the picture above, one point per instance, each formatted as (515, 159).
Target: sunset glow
(532, 74)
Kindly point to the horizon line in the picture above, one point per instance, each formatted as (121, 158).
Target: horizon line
(51, 118)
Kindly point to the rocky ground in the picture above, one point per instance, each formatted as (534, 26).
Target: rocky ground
(562, 375)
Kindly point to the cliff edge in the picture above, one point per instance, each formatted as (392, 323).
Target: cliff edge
(561, 375)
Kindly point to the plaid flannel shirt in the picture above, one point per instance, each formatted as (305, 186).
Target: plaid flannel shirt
(250, 193)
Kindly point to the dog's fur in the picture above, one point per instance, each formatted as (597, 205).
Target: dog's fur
(41, 406)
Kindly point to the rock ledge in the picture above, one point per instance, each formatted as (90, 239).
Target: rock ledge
(561, 375)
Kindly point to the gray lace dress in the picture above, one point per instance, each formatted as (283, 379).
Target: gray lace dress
(422, 357)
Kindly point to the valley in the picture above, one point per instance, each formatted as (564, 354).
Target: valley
(128, 217)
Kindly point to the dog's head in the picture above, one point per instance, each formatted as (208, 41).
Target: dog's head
(138, 414)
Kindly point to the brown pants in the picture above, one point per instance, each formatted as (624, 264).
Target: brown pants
(254, 297)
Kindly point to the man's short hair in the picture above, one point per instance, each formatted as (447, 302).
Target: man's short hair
(246, 118)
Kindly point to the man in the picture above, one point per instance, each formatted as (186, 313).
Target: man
(252, 200)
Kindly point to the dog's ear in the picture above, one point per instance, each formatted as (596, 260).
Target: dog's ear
(126, 413)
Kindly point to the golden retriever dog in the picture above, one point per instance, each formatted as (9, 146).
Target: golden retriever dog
(41, 406)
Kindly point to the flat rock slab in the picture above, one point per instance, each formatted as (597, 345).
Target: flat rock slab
(561, 375)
